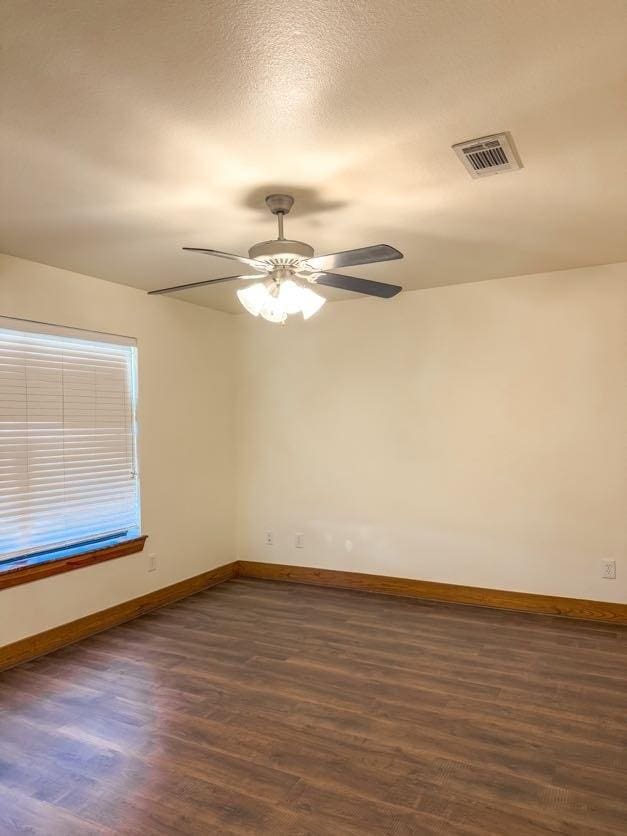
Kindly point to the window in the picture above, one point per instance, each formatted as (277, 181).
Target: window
(68, 459)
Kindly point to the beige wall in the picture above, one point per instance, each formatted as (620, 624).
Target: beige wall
(186, 389)
(472, 434)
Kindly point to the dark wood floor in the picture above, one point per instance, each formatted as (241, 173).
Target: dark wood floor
(267, 708)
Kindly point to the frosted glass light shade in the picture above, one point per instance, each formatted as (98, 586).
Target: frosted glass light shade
(310, 302)
(253, 297)
(290, 296)
(273, 310)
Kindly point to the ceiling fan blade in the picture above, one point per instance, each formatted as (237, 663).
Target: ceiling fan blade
(349, 258)
(384, 291)
(252, 262)
(198, 284)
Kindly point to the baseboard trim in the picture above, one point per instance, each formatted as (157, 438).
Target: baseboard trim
(57, 637)
(38, 645)
(447, 592)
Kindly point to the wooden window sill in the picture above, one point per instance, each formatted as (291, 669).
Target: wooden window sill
(25, 573)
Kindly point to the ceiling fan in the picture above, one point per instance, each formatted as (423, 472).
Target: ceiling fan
(287, 269)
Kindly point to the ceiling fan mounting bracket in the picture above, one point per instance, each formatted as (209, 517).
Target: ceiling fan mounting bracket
(279, 204)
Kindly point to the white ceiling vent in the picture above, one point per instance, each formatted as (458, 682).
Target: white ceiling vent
(487, 155)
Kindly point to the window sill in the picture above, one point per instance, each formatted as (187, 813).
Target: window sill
(26, 572)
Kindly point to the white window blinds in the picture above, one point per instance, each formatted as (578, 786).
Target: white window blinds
(68, 464)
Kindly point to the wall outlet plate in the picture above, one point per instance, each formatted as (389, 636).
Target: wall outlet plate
(152, 562)
(269, 539)
(299, 541)
(608, 570)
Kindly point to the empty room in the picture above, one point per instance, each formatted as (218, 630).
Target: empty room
(313, 417)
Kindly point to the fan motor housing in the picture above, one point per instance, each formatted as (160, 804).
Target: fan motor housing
(281, 252)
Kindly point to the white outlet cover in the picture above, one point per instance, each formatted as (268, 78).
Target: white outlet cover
(300, 541)
(608, 569)
(269, 538)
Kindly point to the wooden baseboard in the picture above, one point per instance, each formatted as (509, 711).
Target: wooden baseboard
(57, 637)
(448, 592)
(53, 639)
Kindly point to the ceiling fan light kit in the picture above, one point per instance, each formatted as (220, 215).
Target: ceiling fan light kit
(274, 300)
(287, 269)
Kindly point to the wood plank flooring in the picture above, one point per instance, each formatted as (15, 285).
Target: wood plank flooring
(262, 707)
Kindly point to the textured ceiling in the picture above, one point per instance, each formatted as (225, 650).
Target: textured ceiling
(131, 129)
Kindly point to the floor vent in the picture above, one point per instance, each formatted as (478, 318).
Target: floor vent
(487, 155)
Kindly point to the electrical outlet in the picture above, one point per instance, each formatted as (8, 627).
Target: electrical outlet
(608, 569)
(152, 562)
(299, 541)
(269, 538)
